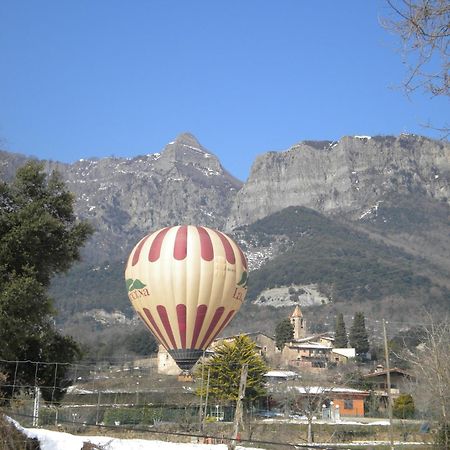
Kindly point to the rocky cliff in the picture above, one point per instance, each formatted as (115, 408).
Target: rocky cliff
(347, 176)
(382, 199)
(127, 198)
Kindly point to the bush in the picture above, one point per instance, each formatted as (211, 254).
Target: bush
(131, 416)
(12, 439)
(442, 439)
(404, 407)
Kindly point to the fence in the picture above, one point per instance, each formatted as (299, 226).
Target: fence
(130, 395)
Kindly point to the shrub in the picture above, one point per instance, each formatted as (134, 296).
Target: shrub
(404, 407)
(442, 439)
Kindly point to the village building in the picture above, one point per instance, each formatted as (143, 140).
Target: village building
(349, 401)
(313, 353)
(265, 346)
(342, 355)
(279, 376)
(298, 323)
(306, 355)
(330, 402)
(325, 339)
(399, 378)
(166, 364)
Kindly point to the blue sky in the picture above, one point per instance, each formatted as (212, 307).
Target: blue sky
(100, 78)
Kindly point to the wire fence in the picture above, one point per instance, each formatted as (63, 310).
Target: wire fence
(132, 396)
(123, 397)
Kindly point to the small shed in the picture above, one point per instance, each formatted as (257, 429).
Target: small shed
(277, 376)
(349, 402)
(342, 355)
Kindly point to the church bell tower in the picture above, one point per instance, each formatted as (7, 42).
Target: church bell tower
(298, 323)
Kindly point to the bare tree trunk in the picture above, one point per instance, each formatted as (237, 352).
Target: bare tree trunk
(431, 366)
(238, 412)
(310, 436)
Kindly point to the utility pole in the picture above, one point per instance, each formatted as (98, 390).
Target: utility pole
(206, 398)
(200, 410)
(388, 379)
(97, 416)
(36, 406)
(238, 412)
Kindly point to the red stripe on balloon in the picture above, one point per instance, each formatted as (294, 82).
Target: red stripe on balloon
(166, 323)
(155, 329)
(145, 322)
(244, 261)
(224, 323)
(137, 253)
(206, 247)
(215, 320)
(155, 249)
(229, 253)
(181, 315)
(180, 247)
(221, 327)
(199, 319)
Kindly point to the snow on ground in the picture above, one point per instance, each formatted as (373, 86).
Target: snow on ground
(55, 440)
(303, 419)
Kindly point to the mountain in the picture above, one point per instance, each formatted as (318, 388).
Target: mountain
(347, 176)
(333, 262)
(125, 199)
(360, 222)
(397, 189)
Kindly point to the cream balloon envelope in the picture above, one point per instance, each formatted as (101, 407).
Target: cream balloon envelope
(186, 283)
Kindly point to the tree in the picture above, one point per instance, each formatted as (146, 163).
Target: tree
(54, 378)
(404, 407)
(284, 332)
(225, 367)
(340, 332)
(424, 29)
(358, 335)
(39, 237)
(403, 341)
(430, 365)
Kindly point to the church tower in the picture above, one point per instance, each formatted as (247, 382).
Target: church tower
(298, 323)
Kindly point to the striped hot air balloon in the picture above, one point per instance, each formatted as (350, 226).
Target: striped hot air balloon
(186, 283)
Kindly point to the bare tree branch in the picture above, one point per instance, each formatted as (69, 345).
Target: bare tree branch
(423, 27)
(431, 367)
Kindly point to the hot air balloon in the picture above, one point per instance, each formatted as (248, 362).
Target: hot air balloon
(186, 283)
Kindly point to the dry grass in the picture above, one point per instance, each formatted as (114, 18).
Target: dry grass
(12, 439)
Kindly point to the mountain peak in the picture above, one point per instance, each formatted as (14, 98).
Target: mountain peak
(189, 140)
(186, 149)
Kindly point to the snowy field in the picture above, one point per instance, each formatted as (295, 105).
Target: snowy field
(54, 440)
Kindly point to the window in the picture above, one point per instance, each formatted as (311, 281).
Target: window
(348, 404)
(320, 364)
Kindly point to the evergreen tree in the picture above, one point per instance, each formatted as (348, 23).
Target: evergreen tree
(358, 335)
(39, 237)
(404, 407)
(225, 368)
(284, 332)
(340, 332)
